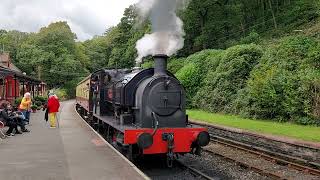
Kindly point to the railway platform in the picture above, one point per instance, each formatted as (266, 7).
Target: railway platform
(71, 152)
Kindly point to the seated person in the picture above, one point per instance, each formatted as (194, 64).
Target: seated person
(18, 118)
(8, 121)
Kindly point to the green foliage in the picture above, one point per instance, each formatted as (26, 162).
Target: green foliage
(10, 41)
(17, 101)
(285, 85)
(70, 87)
(34, 107)
(302, 11)
(221, 85)
(61, 93)
(308, 133)
(57, 38)
(193, 73)
(81, 56)
(220, 24)
(40, 99)
(147, 64)
(97, 51)
(38, 103)
(175, 64)
(253, 37)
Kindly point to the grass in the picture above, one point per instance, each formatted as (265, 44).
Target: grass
(308, 133)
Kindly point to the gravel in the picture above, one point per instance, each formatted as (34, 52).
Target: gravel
(256, 161)
(214, 166)
(309, 153)
(219, 168)
(155, 168)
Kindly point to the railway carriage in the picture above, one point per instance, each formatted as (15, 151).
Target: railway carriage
(82, 93)
(140, 111)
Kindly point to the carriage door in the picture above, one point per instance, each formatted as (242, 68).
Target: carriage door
(95, 88)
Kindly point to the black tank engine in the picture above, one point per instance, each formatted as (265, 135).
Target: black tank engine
(142, 111)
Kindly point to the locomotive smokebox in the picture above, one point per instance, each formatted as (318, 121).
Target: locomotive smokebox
(160, 64)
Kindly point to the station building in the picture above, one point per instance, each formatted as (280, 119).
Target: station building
(14, 82)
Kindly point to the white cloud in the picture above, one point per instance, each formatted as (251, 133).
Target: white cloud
(85, 17)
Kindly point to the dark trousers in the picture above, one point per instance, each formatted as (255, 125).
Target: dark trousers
(20, 123)
(12, 125)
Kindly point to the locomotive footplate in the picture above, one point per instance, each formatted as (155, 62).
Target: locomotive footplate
(181, 143)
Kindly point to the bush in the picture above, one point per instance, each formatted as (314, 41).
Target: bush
(61, 93)
(147, 64)
(40, 99)
(70, 88)
(286, 83)
(17, 101)
(174, 65)
(301, 12)
(193, 73)
(38, 103)
(253, 37)
(34, 107)
(222, 84)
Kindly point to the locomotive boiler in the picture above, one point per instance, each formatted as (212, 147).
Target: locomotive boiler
(140, 111)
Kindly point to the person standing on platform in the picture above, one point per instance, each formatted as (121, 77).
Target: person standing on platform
(25, 106)
(53, 109)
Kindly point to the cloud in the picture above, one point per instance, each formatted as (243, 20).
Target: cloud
(85, 17)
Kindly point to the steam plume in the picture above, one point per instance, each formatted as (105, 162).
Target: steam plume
(167, 28)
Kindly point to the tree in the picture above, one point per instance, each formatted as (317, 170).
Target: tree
(33, 60)
(57, 38)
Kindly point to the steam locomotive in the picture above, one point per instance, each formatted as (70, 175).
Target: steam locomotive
(140, 111)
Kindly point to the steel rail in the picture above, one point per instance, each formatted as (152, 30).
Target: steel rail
(246, 165)
(194, 171)
(261, 153)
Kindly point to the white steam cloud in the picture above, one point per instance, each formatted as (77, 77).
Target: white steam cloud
(167, 28)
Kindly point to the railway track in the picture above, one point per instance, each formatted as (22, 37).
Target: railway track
(276, 158)
(296, 165)
(242, 164)
(194, 171)
(275, 174)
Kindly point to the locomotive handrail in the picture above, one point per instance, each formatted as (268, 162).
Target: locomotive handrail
(156, 123)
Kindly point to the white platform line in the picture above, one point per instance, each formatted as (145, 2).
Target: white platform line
(116, 151)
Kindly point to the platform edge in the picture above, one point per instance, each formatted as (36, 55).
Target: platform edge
(121, 155)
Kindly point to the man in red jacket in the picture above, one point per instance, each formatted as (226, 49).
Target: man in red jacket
(53, 108)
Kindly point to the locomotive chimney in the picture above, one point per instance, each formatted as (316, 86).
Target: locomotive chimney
(160, 64)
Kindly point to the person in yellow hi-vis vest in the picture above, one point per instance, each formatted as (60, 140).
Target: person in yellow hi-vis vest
(53, 109)
(25, 106)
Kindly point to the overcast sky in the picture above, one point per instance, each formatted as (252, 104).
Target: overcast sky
(85, 17)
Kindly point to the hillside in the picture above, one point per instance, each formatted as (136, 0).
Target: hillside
(265, 77)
